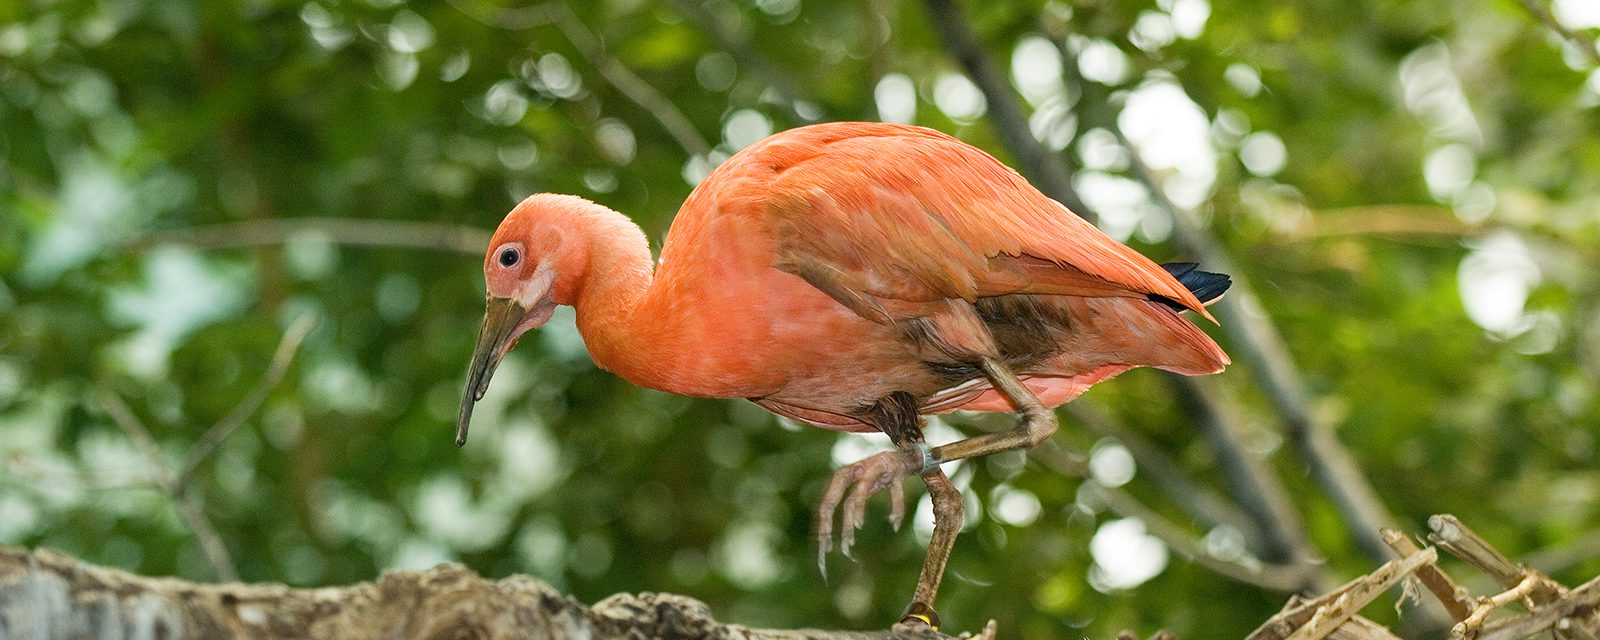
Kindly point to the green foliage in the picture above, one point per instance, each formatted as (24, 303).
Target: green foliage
(1435, 151)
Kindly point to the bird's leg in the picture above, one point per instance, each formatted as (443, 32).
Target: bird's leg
(1038, 422)
(947, 521)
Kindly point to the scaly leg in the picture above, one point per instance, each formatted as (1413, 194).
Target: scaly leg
(1038, 423)
(947, 520)
(884, 470)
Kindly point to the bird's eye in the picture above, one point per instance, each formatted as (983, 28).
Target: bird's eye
(509, 257)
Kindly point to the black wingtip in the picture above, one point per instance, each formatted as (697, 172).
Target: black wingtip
(1180, 269)
(1205, 285)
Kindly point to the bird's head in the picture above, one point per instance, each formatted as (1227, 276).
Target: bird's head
(535, 261)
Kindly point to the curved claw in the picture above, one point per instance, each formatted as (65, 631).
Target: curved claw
(897, 503)
(850, 488)
(830, 500)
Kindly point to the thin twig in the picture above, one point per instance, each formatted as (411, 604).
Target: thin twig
(32, 475)
(279, 366)
(775, 78)
(1249, 570)
(1574, 607)
(1452, 596)
(1197, 500)
(1539, 591)
(1252, 482)
(348, 231)
(1041, 166)
(1383, 221)
(591, 47)
(1573, 38)
(210, 543)
(631, 85)
(123, 416)
(508, 18)
(1359, 628)
(1318, 617)
(1246, 569)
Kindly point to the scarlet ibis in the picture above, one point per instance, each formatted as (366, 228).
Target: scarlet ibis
(855, 277)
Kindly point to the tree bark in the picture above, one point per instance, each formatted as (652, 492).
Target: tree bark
(47, 596)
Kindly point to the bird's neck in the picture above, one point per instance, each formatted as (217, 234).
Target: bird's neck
(612, 296)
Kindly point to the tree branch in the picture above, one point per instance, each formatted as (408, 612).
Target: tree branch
(351, 231)
(1572, 38)
(1246, 569)
(281, 357)
(1192, 497)
(49, 596)
(1041, 166)
(206, 535)
(1249, 570)
(1266, 499)
(588, 45)
(775, 78)
(1252, 330)
(176, 485)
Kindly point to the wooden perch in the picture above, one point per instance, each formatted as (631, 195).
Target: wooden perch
(49, 596)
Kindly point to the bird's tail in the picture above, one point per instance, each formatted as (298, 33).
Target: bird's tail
(1205, 285)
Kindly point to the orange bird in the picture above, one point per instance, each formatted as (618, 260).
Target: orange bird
(855, 277)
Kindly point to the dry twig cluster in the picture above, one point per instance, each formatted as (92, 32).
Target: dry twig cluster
(1546, 605)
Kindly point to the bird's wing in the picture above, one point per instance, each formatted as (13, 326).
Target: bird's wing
(915, 215)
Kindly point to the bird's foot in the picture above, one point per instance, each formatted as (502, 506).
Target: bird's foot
(860, 481)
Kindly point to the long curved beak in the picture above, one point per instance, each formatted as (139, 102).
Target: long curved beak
(502, 318)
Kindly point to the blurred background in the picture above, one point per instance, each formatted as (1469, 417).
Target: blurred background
(240, 279)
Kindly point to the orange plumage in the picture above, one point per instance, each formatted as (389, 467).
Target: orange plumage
(851, 276)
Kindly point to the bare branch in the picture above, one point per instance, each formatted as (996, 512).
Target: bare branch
(1246, 569)
(204, 533)
(32, 474)
(590, 46)
(1449, 533)
(1253, 331)
(631, 85)
(1276, 577)
(350, 231)
(1397, 221)
(1452, 596)
(1045, 169)
(1562, 615)
(1199, 501)
(1252, 482)
(508, 18)
(1574, 39)
(1359, 628)
(281, 357)
(776, 79)
(1319, 617)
